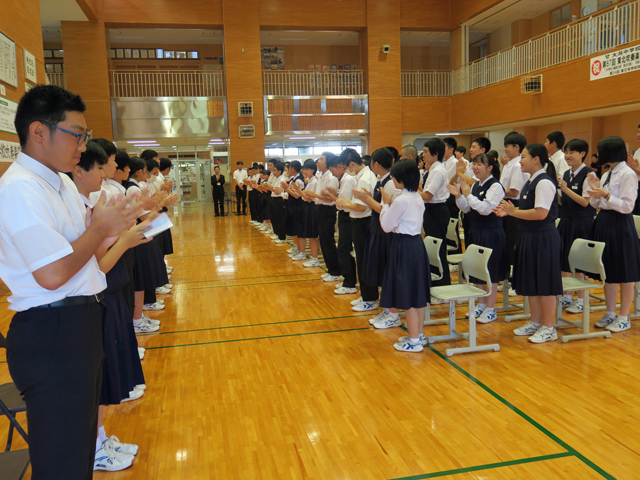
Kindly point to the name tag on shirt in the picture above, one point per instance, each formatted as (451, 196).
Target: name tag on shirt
(481, 194)
(218, 183)
(574, 187)
(524, 197)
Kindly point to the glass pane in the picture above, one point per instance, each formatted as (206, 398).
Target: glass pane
(291, 151)
(566, 14)
(169, 54)
(159, 53)
(192, 54)
(555, 18)
(181, 54)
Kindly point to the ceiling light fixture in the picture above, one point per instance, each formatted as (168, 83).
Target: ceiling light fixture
(302, 138)
(447, 134)
(141, 141)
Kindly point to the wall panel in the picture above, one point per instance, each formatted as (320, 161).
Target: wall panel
(422, 114)
(329, 14)
(425, 58)
(463, 10)
(424, 14)
(154, 13)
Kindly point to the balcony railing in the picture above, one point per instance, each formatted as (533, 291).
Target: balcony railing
(599, 32)
(56, 79)
(426, 84)
(289, 82)
(154, 84)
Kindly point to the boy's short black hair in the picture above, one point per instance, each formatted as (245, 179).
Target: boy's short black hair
(349, 155)
(515, 138)
(122, 159)
(295, 164)
(484, 142)
(406, 171)
(611, 150)
(461, 149)
(450, 142)
(265, 172)
(45, 103)
(165, 163)
(92, 156)
(107, 146)
(557, 137)
(435, 147)
(149, 154)
(239, 162)
(334, 161)
(278, 165)
(394, 153)
(310, 164)
(366, 159)
(136, 164)
(577, 145)
(216, 166)
(383, 157)
(150, 163)
(328, 156)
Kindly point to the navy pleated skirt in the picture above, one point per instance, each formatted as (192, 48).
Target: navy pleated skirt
(122, 369)
(377, 247)
(407, 279)
(293, 218)
(538, 263)
(150, 271)
(308, 227)
(621, 255)
(495, 239)
(571, 228)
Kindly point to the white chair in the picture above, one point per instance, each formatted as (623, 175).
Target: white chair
(432, 245)
(474, 264)
(586, 256)
(455, 259)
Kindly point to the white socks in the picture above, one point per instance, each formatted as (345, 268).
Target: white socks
(569, 297)
(414, 341)
(482, 306)
(102, 437)
(138, 321)
(394, 315)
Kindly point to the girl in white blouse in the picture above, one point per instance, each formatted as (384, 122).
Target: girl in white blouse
(407, 279)
(615, 196)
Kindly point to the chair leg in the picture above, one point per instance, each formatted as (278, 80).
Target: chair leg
(506, 304)
(636, 301)
(453, 334)
(472, 336)
(9, 437)
(526, 315)
(586, 313)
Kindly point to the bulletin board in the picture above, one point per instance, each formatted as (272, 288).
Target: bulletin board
(8, 61)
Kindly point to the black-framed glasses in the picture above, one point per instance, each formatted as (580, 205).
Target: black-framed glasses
(82, 137)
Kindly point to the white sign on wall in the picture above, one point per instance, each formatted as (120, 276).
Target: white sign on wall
(8, 61)
(615, 63)
(9, 151)
(30, 67)
(8, 111)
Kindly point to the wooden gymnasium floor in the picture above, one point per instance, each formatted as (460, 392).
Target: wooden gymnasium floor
(260, 372)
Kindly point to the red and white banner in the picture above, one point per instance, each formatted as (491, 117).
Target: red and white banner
(615, 63)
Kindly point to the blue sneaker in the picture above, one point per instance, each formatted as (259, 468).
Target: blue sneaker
(526, 330)
(388, 322)
(478, 311)
(365, 306)
(422, 340)
(408, 347)
(487, 316)
(619, 325)
(564, 302)
(544, 334)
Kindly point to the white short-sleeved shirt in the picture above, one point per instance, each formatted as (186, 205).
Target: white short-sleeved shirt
(484, 206)
(326, 179)
(512, 177)
(239, 176)
(623, 188)
(137, 187)
(546, 191)
(636, 156)
(276, 184)
(404, 215)
(347, 184)
(585, 184)
(365, 179)
(41, 214)
(559, 162)
(390, 189)
(450, 165)
(436, 183)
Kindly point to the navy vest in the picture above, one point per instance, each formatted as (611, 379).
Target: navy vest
(377, 193)
(528, 202)
(571, 209)
(292, 199)
(483, 221)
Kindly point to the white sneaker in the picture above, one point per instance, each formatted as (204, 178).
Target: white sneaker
(381, 316)
(606, 320)
(338, 285)
(141, 352)
(512, 293)
(108, 460)
(162, 291)
(526, 330)
(478, 311)
(619, 325)
(346, 291)
(453, 268)
(499, 287)
(168, 286)
(153, 306)
(280, 242)
(114, 443)
(133, 395)
(437, 301)
(408, 347)
(333, 278)
(298, 257)
(160, 301)
(365, 306)
(487, 316)
(422, 339)
(356, 302)
(150, 320)
(142, 386)
(577, 306)
(388, 322)
(145, 327)
(544, 334)
(311, 263)
(565, 302)
(274, 237)
(293, 250)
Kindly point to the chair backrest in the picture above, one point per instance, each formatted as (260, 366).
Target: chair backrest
(636, 220)
(451, 231)
(474, 263)
(586, 256)
(432, 245)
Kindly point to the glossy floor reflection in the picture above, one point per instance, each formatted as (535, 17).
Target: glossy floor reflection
(259, 371)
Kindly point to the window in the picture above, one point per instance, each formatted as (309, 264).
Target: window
(181, 54)
(169, 54)
(192, 54)
(560, 16)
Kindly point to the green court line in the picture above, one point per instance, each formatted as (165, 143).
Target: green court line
(251, 325)
(245, 278)
(248, 284)
(523, 415)
(488, 466)
(257, 338)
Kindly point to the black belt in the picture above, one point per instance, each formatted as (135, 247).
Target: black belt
(73, 301)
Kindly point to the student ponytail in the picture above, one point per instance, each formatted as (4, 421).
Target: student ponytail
(540, 151)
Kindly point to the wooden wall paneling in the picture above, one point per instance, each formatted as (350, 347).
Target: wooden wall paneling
(91, 8)
(624, 125)
(166, 13)
(87, 72)
(383, 27)
(456, 49)
(424, 15)
(463, 10)
(566, 87)
(310, 105)
(425, 58)
(425, 114)
(329, 14)
(595, 133)
(520, 31)
(244, 76)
